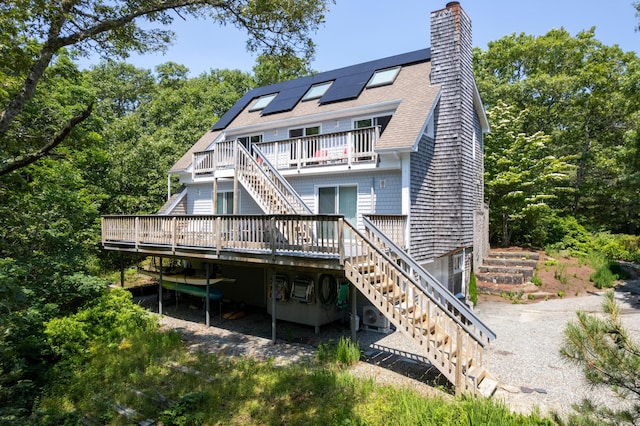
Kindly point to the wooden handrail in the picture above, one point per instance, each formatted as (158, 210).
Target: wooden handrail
(459, 311)
(450, 345)
(226, 232)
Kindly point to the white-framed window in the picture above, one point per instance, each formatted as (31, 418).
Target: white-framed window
(224, 203)
(316, 91)
(246, 141)
(382, 121)
(383, 77)
(304, 131)
(262, 102)
(458, 263)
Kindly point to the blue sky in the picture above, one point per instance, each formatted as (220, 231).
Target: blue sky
(361, 30)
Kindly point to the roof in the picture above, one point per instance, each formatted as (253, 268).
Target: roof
(348, 83)
(411, 96)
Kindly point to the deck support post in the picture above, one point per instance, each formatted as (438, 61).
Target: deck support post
(121, 270)
(273, 305)
(207, 303)
(160, 289)
(354, 312)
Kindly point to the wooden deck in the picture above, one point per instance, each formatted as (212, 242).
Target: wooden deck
(447, 332)
(292, 240)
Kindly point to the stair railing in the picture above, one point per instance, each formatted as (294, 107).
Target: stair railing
(451, 345)
(279, 181)
(269, 182)
(246, 165)
(460, 311)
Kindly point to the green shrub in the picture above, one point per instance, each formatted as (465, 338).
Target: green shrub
(108, 319)
(603, 277)
(618, 246)
(565, 233)
(345, 352)
(606, 271)
(536, 280)
(473, 289)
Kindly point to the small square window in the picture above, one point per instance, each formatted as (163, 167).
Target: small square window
(383, 77)
(262, 102)
(458, 263)
(316, 91)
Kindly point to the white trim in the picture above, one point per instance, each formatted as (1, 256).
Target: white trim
(308, 97)
(406, 183)
(458, 262)
(479, 107)
(430, 117)
(176, 201)
(262, 102)
(390, 75)
(337, 186)
(224, 202)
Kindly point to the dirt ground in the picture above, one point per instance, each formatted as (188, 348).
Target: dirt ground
(559, 276)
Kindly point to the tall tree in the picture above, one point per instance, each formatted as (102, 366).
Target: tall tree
(270, 69)
(522, 178)
(168, 117)
(33, 32)
(576, 90)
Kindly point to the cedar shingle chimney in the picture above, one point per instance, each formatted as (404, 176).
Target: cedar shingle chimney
(454, 169)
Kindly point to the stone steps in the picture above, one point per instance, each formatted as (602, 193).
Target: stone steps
(506, 268)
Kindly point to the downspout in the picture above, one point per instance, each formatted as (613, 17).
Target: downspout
(168, 186)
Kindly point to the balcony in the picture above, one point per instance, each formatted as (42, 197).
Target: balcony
(340, 148)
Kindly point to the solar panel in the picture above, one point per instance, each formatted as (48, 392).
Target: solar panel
(348, 83)
(346, 87)
(286, 99)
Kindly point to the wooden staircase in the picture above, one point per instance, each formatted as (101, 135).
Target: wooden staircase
(447, 331)
(266, 185)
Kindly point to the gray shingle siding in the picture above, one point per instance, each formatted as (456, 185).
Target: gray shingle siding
(422, 198)
(453, 171)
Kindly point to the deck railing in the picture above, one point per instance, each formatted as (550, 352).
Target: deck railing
(205, 163)
(279, 234)
(347, 147)
(393, 226)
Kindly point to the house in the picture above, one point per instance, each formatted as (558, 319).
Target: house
(366, 179)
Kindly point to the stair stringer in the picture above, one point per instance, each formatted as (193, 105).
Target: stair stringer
(446, 343)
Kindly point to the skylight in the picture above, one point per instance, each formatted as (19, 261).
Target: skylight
(383, 77)
(262, 102)
(316, 91)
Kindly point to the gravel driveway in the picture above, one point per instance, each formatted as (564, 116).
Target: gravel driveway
(525, 357)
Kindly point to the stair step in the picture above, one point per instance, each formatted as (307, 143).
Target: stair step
(526, 271)
(487, 386)
(500, 278)
(498, 289)
(514, 254)
(490, 261)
